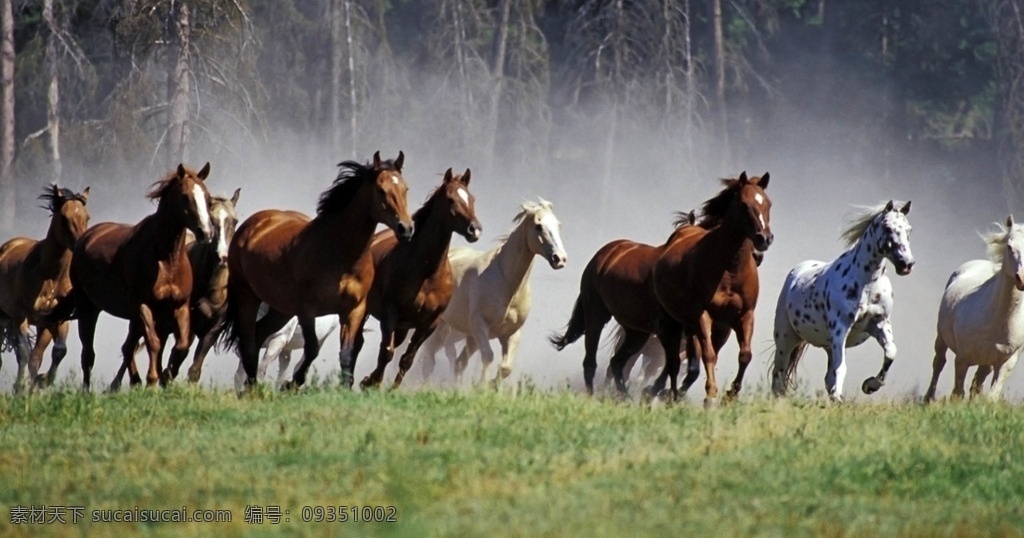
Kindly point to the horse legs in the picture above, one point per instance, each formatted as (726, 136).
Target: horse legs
(87, 317)
(246, 307)
(882, 331)
(938, 363)
(386, 352)
(154, 344)
(182, 341)
(709, 357)
(22, 352)
(836, 373)
(58, 333)
(744, 333)
(632, 342)
(509, 345)
(311, 349)
(596, 316)
(431, 344)
(128, 350)
(959, 376)
(1002, 373)
(462, 359)
(350, 330)
(35, 361)
(980, 375)
(670, 334)
(405, 363)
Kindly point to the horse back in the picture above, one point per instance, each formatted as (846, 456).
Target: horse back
(619, 277)
(14, 276)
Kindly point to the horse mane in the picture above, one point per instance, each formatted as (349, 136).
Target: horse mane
(55, 197)
(350, 178)
(528, 208)
(683, 219)
(421, 214)
(713, 211)
(995, 240)
(160, 186)
(861, 220)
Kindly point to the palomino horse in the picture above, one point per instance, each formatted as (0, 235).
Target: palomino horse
(492, 291)
(312, 267)
(141, 273)
(841, 303)
(703, 279)
(981, 317)
(413, 281)
(209, 289)
(34, 280)
(281, 344)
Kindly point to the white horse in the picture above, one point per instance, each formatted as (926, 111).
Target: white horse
(492, 292)
(279, 346)
(840, 304)
(981, 317)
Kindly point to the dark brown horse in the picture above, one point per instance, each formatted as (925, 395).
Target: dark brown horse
(413, 281)
(141, 273)
(620, 281)
(34, 281)
(311, 267)
(209, 261)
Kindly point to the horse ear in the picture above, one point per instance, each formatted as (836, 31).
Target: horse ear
(234, 197)
(906, 208)
(399, 161)
(1009, 221)
(204, 172)
(181, 170)
(448, 176)
(376, 160)
(888, 207)
(85, 195)
(743, 177)
(465, 178)
(764, 181)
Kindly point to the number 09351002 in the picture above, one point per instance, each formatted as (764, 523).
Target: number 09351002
(350, 513)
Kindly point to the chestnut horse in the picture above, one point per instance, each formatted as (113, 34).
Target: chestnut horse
(312, 267)
(141, 273)
(413, 282)
(209, 261)
(34, 280)
(714, 274)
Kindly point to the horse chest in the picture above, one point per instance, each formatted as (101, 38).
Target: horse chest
(173, 282)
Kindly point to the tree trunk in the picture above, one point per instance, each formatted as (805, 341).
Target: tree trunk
(352, 102)
(7, 195)
(335, 22)
(718, 37)
(181, 89)
(53, 92)
(1008, 26)
(498, 78)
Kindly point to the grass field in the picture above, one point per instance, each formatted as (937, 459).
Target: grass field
(536, 463)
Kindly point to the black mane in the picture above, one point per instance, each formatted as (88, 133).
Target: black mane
(713, 211)
(350, 179)
(55, 197)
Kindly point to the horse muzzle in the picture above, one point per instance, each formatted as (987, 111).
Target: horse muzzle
(404, 230)
(763, 240)
(904, 268)
(473, 232)
(557, 260)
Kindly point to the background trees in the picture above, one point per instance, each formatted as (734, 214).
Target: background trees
(594, 88)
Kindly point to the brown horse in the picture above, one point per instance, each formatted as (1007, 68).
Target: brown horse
(620, 281)
(413, 282)
(141, 273)
(34, 280)
(311, 267)
(209, 261)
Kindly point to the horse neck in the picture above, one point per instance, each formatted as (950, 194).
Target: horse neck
(430, 242)
(346, 232)
(514, 258)
(1007, 298)
(54, 253)
(867, 263)
(206, 268)
(166, 233)
(728, 245)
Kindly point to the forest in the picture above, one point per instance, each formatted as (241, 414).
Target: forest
(118, 91)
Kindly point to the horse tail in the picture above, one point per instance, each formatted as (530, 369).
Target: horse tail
(229, 336)
(574, 330)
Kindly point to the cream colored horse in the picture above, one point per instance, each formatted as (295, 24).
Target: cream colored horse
(981, 317)
(492, 292)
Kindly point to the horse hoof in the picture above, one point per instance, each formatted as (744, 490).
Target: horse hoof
(731, 395)
(710, 403)
(871, 385)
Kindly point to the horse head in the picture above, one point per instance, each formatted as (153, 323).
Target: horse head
(461, 205)
(182, 194)
(223, 219)
(542, 232)
(894, 237)
(757, 208)
(1013, 255)
(390, 205)
(70, 216)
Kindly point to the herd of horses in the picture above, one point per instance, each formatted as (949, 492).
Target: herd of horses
(284, 281)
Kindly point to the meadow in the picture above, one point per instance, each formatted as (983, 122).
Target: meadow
(523, 462)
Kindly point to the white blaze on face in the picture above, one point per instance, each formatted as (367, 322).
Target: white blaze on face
(550, 225)
(464, 195)
(201, 209)
(759, 198)
(221, 217)
(394, 179)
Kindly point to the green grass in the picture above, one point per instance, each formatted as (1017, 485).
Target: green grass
(532, 464)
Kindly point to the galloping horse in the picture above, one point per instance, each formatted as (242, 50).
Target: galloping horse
(413, 281)
(312, 267)
(141, 273)
(209, 289)
(981, 317)
(492, 291)
(34, 280)
(840, 304)
(279, 346)
(702, 279)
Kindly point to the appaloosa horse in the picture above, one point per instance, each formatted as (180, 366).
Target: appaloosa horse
(312, 267)
(34, 281)
(141, 273)
(413, 280)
